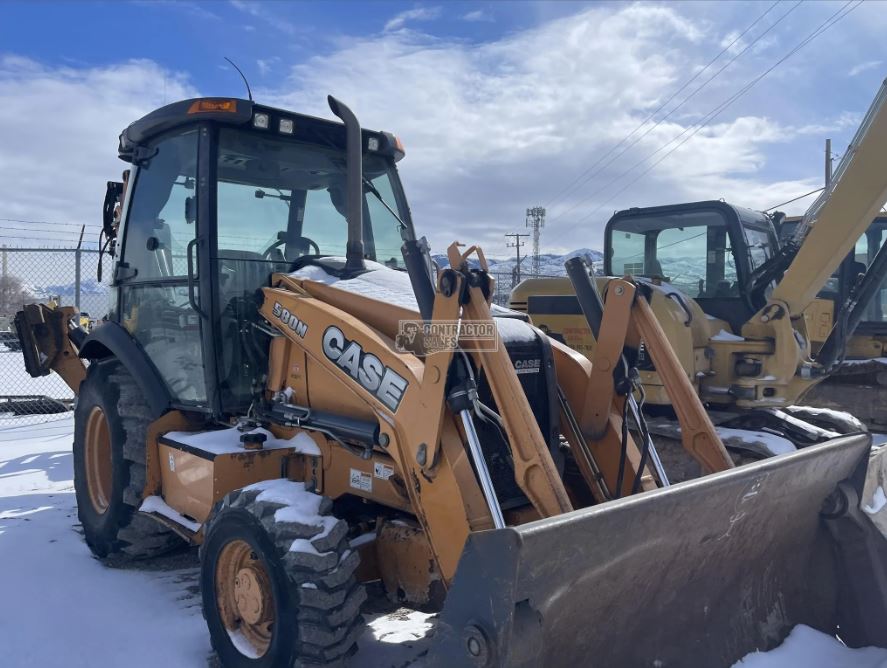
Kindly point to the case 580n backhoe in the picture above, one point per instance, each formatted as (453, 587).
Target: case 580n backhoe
(284, 381)
(739, 308)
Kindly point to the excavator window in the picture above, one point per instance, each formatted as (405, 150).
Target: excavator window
(690, 250)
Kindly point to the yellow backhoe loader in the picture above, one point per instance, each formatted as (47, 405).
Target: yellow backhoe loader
(740, 309)
(284, 381)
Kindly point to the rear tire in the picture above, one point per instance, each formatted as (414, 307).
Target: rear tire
(269, 607)
(110, 430)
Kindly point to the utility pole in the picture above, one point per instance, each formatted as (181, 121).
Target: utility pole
(516, 244)
(828, 162)
(536, 221)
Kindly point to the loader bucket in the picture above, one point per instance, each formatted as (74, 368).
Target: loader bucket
(697, 574)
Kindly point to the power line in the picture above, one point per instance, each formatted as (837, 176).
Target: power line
(49, 222)
(75, 232)
(592, 172)
(812, 192)
(717, 111)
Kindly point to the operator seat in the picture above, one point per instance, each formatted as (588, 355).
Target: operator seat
(241, 273)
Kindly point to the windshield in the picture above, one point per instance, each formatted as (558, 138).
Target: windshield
(279, 200)
(691, 250)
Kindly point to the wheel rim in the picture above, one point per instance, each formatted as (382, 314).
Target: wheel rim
(244, 598)
(99, 468)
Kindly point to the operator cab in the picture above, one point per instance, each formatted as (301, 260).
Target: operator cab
(222, 193)
(707, 250)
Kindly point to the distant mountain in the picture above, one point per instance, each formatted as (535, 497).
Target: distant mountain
(550, 264)
(94, 296)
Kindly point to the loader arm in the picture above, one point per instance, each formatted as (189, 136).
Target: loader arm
(534, 471)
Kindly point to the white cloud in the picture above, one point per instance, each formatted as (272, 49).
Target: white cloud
(195, 9)
(274, 20)
(418, 14)
(59, 128)
(490, 128)
(477, 15)
(265, 64)
(863, 67)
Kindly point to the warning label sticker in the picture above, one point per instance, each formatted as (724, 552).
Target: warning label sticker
(382, 471)
(361, 480)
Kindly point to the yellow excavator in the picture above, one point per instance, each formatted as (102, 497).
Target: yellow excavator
(285, 381)
(739, 308)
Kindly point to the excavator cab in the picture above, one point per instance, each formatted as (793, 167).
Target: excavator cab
(707, 250)
(221, 194)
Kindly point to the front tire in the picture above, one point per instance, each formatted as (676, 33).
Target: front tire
(267, 605)
(110, 431)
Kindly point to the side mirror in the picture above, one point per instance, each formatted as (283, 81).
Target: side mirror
(190, 210)
(110, 212)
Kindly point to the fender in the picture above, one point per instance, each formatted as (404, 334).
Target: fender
(110, 339)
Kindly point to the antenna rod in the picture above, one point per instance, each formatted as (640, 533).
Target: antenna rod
(242, 76)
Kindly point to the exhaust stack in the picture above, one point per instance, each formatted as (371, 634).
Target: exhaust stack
(354, 185)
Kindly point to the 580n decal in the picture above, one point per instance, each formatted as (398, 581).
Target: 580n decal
(365, 368)
(289, 319)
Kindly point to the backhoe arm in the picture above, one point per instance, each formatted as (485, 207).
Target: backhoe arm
(48, 336)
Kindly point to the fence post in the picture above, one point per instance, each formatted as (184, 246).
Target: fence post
(77, 278)
(77, 269)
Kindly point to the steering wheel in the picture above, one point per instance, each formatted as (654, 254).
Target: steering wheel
(302, 245)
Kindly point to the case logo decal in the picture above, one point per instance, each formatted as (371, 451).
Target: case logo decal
(365, 368)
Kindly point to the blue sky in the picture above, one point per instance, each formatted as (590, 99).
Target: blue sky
(501, 105)
(194, 36)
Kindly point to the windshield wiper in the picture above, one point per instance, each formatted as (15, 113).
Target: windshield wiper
(369, 185)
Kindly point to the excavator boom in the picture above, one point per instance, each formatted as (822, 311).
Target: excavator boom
(842, 212)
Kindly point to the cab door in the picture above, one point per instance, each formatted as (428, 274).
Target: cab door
(156, 271)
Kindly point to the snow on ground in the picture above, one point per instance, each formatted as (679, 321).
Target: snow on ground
(14, 380)
(65, 609)
(808, 648)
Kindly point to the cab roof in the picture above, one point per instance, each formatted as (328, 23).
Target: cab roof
(739, 213)
(239, 112)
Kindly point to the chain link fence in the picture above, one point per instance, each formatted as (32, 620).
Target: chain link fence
(68, 276)
(64, 276)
